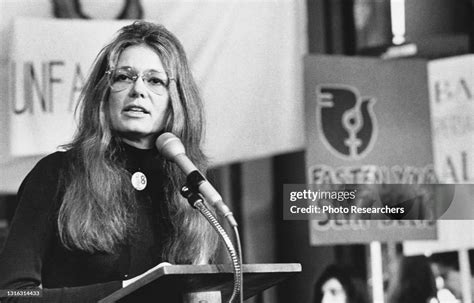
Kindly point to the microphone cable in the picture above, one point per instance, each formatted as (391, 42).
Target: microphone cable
(235, 256)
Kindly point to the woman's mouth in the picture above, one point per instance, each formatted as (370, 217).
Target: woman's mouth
(135, 111)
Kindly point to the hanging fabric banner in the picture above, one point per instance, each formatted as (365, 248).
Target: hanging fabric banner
(245, 56)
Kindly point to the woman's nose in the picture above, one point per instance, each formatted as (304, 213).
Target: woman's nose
(138, 88)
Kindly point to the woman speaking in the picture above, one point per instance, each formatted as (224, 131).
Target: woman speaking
(93, 218)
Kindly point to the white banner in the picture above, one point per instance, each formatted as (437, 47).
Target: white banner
(48, 64)
(246, 57)
(451, 89)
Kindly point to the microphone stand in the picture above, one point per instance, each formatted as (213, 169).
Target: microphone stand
(191, 193)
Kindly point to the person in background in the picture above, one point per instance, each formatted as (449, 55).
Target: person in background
(338, 285)
(445, 265)
(99, 215)
(413, 282)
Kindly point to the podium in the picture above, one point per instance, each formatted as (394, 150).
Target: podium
(201, 283)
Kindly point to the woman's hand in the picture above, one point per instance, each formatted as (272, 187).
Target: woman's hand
(125, 283)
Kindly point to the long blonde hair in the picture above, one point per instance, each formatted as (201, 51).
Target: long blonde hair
(98, 207)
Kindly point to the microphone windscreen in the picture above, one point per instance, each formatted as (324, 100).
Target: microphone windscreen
(169, 145)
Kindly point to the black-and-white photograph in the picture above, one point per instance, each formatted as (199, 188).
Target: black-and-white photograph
(259, 151)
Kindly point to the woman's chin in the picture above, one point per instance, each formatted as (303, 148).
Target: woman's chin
(137, 129)
(137, 133)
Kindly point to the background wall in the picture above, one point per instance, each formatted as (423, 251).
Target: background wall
(254, 187)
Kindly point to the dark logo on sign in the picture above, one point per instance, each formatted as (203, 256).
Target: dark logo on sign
(346, 121)
(131, 9)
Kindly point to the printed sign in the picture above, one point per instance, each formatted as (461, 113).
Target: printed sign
(367, 121)
(336, 231)
(451, 92)
(451, 95)
(346, 121)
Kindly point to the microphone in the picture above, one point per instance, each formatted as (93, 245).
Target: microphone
(173, 149)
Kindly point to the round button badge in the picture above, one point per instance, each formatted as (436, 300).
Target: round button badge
(139, 180)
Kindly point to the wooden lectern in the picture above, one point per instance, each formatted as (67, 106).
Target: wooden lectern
(201, 283)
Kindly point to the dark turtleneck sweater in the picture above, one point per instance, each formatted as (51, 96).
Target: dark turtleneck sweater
(33, 254)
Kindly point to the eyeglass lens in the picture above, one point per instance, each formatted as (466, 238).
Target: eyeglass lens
(123, 78)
